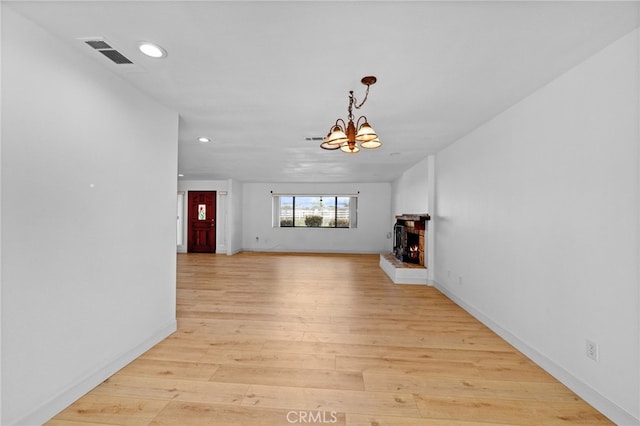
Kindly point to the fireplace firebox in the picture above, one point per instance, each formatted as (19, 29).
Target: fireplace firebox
(409, 238)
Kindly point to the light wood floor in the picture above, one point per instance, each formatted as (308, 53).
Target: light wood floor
(281, 339)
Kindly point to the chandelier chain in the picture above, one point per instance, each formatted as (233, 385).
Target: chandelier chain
(364, 100)
(353, 102)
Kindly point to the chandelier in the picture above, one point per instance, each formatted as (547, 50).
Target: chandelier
(347, 136)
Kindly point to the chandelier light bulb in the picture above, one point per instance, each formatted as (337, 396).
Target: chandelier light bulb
(349, 148)
(372, 144)
(366, 133)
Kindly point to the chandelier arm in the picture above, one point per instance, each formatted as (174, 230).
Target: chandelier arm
(338, 121)
(358, 122)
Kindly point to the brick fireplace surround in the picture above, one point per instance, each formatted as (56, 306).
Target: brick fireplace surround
(407, 263)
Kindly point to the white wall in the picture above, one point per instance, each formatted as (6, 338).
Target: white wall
(1, 274)
(88, 223)
(371, 235)
(410, 190)
(537, 215)
(235, 217)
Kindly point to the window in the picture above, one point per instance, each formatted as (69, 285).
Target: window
(315, 211)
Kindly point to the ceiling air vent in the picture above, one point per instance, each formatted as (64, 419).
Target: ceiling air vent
(98, 44)
(116, 56)
(105, 48)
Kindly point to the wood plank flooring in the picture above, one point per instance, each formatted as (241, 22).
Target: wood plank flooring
(281, 339)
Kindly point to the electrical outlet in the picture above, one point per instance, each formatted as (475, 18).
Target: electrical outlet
(460, 280)
(593, 350)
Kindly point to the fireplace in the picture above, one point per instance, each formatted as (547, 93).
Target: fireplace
(409, 238)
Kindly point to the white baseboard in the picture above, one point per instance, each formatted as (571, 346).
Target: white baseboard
(84, 384)
(305, 251)
(611, 410)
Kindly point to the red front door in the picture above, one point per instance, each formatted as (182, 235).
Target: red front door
(202, 222)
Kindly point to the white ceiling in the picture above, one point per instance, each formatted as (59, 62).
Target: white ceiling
(260, 77)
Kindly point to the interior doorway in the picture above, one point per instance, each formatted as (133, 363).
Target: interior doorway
(201, 228)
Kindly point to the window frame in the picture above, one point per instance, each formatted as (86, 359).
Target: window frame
(352, 210)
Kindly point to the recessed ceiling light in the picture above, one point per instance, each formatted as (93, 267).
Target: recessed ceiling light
(152, 50)
(180, 175)
(204, 139)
